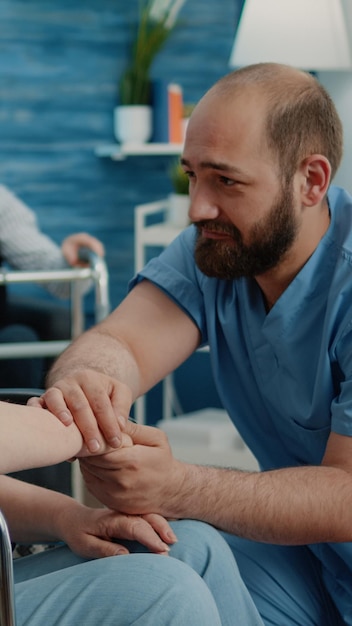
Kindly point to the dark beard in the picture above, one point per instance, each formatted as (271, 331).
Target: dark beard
(270, 239)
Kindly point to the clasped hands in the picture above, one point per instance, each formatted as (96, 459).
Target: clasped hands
(131, 468)
(137, 478)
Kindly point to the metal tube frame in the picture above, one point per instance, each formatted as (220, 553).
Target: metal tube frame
(96, 272)
(7, 595)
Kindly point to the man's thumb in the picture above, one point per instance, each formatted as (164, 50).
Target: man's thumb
(144, 435)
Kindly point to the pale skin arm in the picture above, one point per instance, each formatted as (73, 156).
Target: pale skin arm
(99, 376)
(36, 514)
(32, 437)
(286, 506)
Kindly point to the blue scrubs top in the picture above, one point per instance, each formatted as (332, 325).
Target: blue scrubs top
(284, 377)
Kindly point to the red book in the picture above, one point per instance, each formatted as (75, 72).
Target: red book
(175, 100)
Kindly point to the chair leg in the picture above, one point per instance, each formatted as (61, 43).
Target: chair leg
(7, 595)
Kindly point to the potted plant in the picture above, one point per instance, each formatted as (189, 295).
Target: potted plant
(178, 205)
(157, 19)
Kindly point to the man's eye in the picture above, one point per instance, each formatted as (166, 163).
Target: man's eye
(227, 181)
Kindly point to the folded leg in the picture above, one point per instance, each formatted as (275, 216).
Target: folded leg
(285, 583)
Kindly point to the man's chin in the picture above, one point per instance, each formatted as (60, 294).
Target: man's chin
(216, 270)
(215, 259)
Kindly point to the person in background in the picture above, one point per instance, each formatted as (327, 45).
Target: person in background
(94, 577)
(24, 247)
(263, 276)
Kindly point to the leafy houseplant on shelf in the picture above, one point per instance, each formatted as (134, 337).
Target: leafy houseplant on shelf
(178, 201)
(157, 19)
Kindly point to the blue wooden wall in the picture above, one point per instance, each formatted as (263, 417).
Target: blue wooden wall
(59, 67)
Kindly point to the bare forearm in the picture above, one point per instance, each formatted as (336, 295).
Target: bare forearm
(287, 506)
(297, 505)
(32, 437)
(133, 344)
(100, 351)
(32, 513)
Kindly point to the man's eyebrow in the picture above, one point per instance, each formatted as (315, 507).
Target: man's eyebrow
(215, 165)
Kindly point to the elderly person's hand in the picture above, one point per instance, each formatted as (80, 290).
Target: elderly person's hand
(71, 246)
(95, 533)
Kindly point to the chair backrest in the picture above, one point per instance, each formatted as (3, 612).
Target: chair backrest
(7, 596)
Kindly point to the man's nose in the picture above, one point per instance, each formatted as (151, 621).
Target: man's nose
(202, 205)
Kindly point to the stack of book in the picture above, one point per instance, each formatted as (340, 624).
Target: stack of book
(167, 102)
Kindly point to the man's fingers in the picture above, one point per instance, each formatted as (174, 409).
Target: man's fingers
(134, 434)
(54, 401)
(36, 402)
(97, 404)
(100, 412)
(126, 441)
(136, 528)
(161, 526)
(145, 435)
(88, 403)
(75, 404)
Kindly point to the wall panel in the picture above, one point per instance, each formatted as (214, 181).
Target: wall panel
(59, 67)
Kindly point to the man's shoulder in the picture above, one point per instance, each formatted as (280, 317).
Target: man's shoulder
(339, 198)
(340, 205)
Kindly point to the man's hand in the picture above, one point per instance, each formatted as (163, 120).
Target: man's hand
(98, 404)
(138, 479)
(93, 533)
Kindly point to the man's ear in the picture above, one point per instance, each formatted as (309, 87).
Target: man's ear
(316, 174)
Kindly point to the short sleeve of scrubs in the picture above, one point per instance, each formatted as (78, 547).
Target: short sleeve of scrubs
(174, 271)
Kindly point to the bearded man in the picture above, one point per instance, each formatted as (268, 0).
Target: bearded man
(263, 277)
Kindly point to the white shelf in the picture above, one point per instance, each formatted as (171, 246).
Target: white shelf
(118, 152)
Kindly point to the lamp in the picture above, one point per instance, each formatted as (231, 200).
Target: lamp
(308, 34)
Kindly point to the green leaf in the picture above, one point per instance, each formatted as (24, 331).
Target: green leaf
(151, 36)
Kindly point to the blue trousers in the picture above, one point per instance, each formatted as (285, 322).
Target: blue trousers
(198, 584)
(286, 584)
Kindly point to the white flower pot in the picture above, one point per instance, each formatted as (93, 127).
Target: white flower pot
(133, 123)
(178, 207)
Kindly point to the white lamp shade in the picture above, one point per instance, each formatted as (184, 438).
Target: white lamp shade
(307, 34)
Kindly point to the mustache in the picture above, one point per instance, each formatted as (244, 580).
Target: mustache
(217, 227)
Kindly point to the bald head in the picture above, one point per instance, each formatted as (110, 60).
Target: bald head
(263, 76)
(297, 114)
